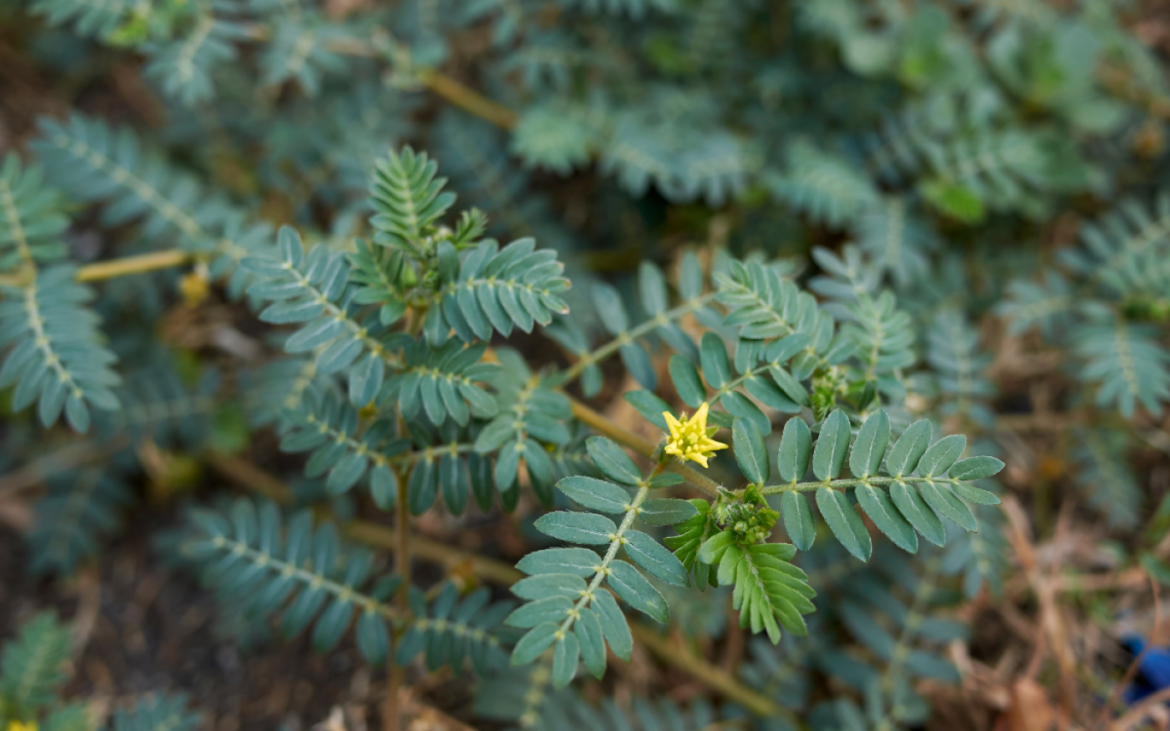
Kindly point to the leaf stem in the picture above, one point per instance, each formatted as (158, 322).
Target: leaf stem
(613, 346)
(603, 569)
(845, 484)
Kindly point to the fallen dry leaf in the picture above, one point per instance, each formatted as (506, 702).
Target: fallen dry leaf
(1030, 709)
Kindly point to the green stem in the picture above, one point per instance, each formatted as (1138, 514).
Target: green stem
(340, 315)
(613, 346)
(845, 484)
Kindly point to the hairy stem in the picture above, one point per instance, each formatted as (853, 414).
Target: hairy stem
(845, 484)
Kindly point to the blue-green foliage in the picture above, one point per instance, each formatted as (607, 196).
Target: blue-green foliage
(897, 166)
(264, 564)
(32, 668)
(157, 713)
(57, 359)
(79, 510)
(33, 217)
(33, 671)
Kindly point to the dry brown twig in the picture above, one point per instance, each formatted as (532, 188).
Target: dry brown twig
(1054, 637)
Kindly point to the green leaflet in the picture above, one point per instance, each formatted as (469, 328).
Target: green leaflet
(424, 485)
(576, 561)
(549, 609)
(533, 643)
(787, 383)
(650, 555)
(941, 455)
(666, 511)
(595, 494)
(920, 515)
(613, 461)
(686, 381)
(845, 523)
(653, 287)
(586, 528)
(591, 641)
(565, 659)
(798, 519)
(713, 357)
(770, 395)
(609, 305)
(750, 452)
(740, 406)
(974, 494)
(878, 505)
(904, 455)
(664, 479)
(613, 625)
(713, 548)
(795, 450)
(870, 445)
(829, 454)
(649, 406)
(975, 468)
(543, 585)
(637, 591)
(637, 362)
(944, 502)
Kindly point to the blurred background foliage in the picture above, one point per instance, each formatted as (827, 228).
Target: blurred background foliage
(978, 189)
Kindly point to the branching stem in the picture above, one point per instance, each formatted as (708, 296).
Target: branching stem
(252, 477)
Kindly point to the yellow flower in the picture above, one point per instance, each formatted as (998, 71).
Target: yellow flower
(18, 726)
(691, 439)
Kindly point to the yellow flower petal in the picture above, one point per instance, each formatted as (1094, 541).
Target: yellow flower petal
(689, 440)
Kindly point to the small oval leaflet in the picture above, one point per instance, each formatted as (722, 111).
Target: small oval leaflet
(666, 511)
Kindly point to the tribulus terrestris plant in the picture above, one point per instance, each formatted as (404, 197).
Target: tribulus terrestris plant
(705, 341)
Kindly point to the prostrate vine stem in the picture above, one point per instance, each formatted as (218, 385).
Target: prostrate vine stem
(251, 477)
(438, 82)
(392, 718)
(134, 265)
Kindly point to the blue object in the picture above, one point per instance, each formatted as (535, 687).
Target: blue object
(1153, 673)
